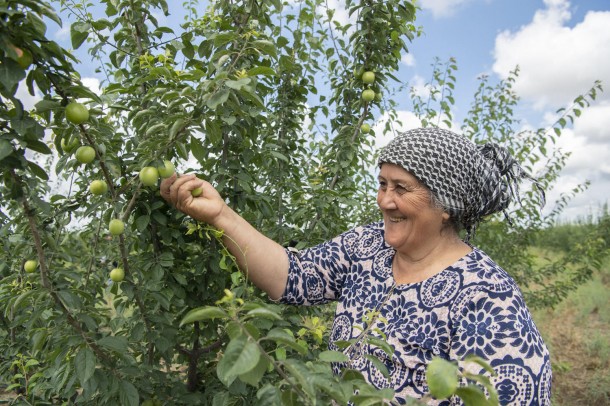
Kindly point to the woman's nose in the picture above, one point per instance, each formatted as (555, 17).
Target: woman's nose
(385, 200)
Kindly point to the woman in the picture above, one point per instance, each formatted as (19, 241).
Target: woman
(410, 276)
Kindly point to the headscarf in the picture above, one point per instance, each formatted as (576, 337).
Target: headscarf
(470, 181)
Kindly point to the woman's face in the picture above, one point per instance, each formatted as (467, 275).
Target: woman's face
(411, 221)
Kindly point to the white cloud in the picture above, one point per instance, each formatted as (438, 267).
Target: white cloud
(26, 98)
(93, 84)
(442, 8)
(556, 62)
(405, 120)
(63, 33)
(340, 13)
(418, 87)
(408, 59)
(594, 123)
(588, 143)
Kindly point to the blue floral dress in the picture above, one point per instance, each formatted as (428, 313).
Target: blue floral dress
(471, 307)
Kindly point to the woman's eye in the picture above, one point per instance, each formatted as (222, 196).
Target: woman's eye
(382, 185)
(401, 189)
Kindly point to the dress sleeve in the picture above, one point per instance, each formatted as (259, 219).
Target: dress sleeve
(499, 328)
(315, 275)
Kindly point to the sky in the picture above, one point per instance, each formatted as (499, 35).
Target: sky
(560, 46)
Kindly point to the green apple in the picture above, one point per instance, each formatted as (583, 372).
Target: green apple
(365, 128)
(98, 187)
(368, 95)
(167, 169)
(68, 145)
(442, 378)
(85, 154)
(116, 227)
(117, 274)
(378, 96)
(368, 77)
(30, 265)
(149, 175)
(77, 113)
(197, 191)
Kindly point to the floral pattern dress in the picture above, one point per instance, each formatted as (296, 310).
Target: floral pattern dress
(471, 307)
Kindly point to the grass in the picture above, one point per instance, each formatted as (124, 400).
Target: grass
(577, 332)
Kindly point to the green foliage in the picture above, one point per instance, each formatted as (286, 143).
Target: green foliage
(259, 98)
(228, 96)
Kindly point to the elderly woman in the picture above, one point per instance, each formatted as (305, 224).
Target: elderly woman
(433, 292)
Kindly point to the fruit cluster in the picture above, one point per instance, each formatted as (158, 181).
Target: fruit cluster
(78, 114)
(368, 94)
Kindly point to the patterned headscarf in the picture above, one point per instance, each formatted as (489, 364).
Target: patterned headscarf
(470, 181)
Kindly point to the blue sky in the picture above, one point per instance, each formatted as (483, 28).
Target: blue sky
(561, 47)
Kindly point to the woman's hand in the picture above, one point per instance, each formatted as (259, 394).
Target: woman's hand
(206, 207)
(264, 261)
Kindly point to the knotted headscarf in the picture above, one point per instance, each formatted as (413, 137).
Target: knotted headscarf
(470, 181)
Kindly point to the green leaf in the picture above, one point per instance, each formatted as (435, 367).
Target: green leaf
(38, 171)
(237, 84)
(155, 128)
(128, 394)
(84, 363)
(282, 337)
(79, 31)
(266, 47)
(264, 313)
(378, 364)
(301, 374)
(142, 222)
(176, 127)
(333, 356)
(39, 146)
(11, 74)
(240, 357)
(114, 343)
(223, 38)
(199, 152)
(6, 148)
(269, 395)
(254, 376)
(29, 128)
(71, 300)
(204, 313)
(384, 345)
(47, 105)
(36, 23)
(279, 156)
(442, 378)
(31, 362)
(261, 70)
(472, 396)
(218, 98)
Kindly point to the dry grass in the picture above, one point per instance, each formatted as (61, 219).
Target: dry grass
(578, 335)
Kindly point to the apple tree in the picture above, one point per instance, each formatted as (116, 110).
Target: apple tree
(108, 295)
(234, 93)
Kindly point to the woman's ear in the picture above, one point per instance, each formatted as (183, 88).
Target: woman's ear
(446, 217)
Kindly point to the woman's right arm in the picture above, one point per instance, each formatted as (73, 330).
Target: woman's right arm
(264, 261)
